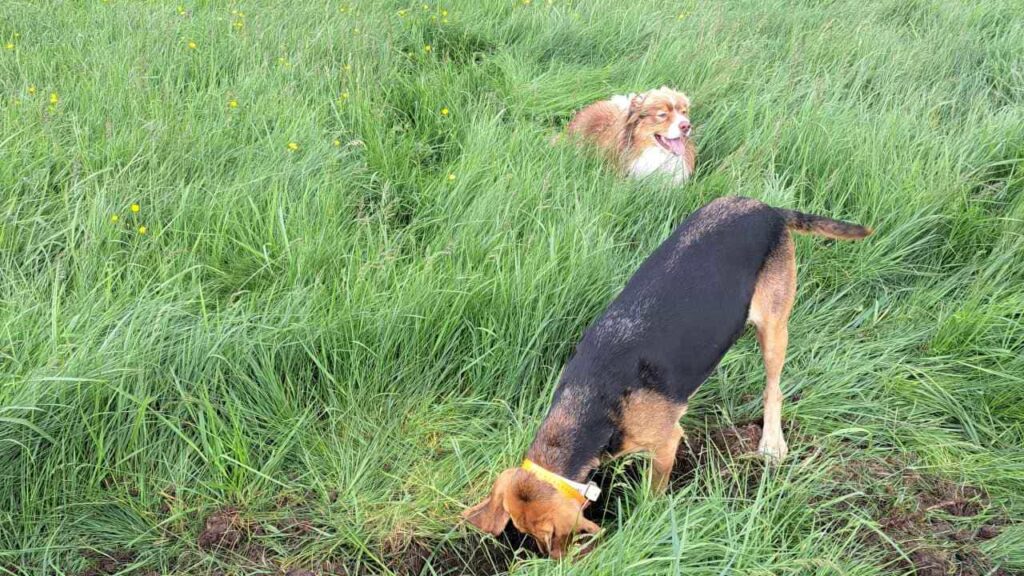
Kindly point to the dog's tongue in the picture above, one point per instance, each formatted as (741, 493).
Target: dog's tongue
(675, 145)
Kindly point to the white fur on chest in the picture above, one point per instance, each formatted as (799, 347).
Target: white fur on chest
(657, 159)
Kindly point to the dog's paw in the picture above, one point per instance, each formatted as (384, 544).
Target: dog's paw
(774, 449)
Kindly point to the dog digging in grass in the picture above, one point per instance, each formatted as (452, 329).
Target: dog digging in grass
(642, 134)
(627, 383)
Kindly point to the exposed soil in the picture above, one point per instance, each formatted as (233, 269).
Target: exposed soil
(110, 563)
(224, 529)
(937, 524)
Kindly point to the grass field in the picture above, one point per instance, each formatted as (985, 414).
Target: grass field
(363, 265)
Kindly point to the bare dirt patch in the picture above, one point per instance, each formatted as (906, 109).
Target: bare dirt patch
(937, 524)
(109, 563)
(224, 529)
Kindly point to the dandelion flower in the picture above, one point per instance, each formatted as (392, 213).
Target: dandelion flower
(344, 95)
(192, 44)
(54, 98)
(181, 10)
(444, 13)
(426, 7)
(232, 103)
(427, 48)
(135, 207)
(143, 230)
(293, 146)
(402, 13)
(444, 111)
(9, 45)
(336, 143)
(238, 24)
(451, 177)
(32, 89)
(114, 218)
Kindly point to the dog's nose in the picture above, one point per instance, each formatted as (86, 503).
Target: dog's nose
(684, 126)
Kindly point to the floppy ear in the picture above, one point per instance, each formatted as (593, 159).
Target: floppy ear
(490, 514)
(636, 101)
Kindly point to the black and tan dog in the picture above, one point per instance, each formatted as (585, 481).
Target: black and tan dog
(626, 385)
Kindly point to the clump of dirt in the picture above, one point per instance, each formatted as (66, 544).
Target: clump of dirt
(473, 554)
(110, 563)
(225, 530)
(937, 523)
(695, 452)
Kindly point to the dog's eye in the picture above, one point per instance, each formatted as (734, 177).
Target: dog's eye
(662, 114)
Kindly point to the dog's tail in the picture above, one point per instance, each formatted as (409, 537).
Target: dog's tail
(813, 224)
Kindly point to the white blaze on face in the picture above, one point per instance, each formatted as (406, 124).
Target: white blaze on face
(674, 131)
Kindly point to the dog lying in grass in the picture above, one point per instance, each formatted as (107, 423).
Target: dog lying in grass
(627, 384)
(642, 134)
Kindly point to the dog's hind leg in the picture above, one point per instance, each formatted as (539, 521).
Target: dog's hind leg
(769, 312)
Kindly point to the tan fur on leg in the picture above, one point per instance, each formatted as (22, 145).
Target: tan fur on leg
(769, 312)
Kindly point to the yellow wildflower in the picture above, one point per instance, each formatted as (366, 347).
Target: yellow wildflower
(9, 45)
(32, 89)
(135, 207)
(181, 10)
(336, 143)
(238, 24)
(347, 67)
(143, 230)
(54, 98)
(232, 103)
(114, 218)
(451, 177)
(444, 13)
(427, 48)
(426, 7)
(444, 111)
(402, 13)
(344, 95)
(355, 31)
(192, 44)
(293, 146)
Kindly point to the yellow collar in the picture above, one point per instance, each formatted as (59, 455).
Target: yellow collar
(581, 493)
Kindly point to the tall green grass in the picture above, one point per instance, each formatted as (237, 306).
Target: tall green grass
(364, 330)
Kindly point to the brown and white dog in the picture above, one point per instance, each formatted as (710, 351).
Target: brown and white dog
(642, 133)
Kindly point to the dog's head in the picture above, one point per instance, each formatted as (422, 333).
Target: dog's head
(659, 118)
(535, 508)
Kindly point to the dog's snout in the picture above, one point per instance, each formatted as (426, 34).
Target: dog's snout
(684, 126)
